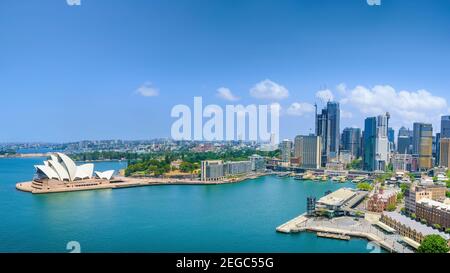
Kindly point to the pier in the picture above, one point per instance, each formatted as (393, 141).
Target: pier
(333, 235)
(292, 225)
(345, 227)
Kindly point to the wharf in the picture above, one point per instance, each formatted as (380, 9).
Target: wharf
(345, 227)
(333, 236)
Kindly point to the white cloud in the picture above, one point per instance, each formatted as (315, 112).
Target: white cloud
(268, 89)
(405, 106)
(325, 95)
(226, 94)
(346, 114)
(147, 90)
(342, 88)
(300, 108)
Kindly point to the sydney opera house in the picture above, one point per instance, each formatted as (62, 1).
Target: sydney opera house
(61, 167)
(60, 173)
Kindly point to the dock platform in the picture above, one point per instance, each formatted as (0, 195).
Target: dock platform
(333, 236)
(292, 225)
(344, 228)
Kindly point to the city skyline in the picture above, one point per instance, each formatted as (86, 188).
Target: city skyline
(109, 78)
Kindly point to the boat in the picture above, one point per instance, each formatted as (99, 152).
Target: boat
(358, 179)
(283, 174)
(334, 178)
(305, 176)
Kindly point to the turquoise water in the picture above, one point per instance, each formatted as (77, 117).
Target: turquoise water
(220, 218)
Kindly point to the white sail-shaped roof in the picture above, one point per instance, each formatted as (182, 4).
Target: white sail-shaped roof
(105, 175)
(54, 157)
(69, 164)
(84, 171)
(60, 169)
(48, 171)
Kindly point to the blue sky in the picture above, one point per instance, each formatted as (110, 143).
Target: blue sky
(73, 72)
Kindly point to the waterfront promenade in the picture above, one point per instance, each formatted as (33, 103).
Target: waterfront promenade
(346, 226)
(120, 182)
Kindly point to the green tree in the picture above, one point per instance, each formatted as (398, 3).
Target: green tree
(414, 216)
(437, 226)
(355, 164)
(391, 207)
(400, 197)
(404, 187)
(364, 186)
(390, 167)
(433, 244)
(447, 230)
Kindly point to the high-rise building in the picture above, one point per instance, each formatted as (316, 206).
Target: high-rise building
(286, 150)
(445, 127)
(308, 150)
(370, 129)
(382, 143)
(351, 138)
(376, 143)
(423, 144)
(391, 139)
(437, 156)
(445, 152)
(404, 141)
(328, 128)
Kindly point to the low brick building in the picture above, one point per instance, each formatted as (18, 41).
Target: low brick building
(433, 212)
(380, 199)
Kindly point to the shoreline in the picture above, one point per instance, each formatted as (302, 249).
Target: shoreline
(31, 155)
(37, 155)
(121, 182)
(303, 223)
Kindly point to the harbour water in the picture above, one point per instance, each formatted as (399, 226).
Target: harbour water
(217, 218)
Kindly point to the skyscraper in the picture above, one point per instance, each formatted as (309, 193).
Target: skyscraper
(370, 128)
(445, 127)
(308, 149)
(376, 143)
(286, 148)
(404, 141)
(391, 138)
(351, 138)
(382, 143)
(423, 144)
(445, 152)
(438, 149)
(328, 128)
